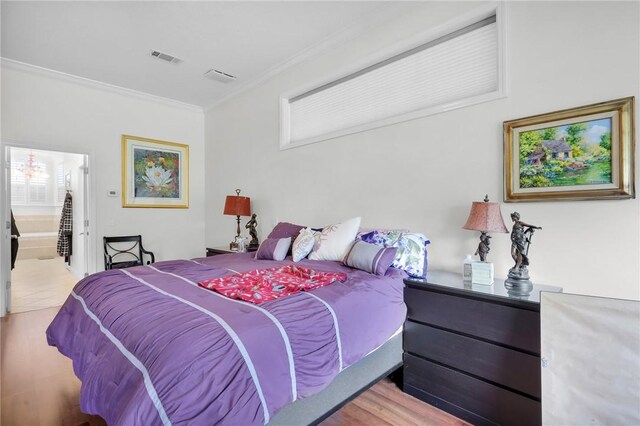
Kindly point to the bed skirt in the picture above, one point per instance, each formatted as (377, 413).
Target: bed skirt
(350, 383)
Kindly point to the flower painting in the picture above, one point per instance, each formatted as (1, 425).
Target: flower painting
(154, 173)
(579, 153)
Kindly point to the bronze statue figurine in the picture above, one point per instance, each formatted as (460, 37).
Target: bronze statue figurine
(251, 226)
(483, 247)
(521, 235)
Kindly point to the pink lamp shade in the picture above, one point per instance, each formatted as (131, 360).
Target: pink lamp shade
(485, 217)
(236, 205)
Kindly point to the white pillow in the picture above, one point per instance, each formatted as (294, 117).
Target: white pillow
(334, 240)
(303, 244)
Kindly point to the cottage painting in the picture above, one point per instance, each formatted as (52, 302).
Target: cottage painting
(573, 154)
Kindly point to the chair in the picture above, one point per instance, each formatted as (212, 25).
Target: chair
(128, 254)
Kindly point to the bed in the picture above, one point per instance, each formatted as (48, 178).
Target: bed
(152, 347)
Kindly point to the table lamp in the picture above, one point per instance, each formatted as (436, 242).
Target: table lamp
(235, 205)
(484, 217)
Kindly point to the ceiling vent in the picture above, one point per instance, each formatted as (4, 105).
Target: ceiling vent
(165, 57)
(220, 76)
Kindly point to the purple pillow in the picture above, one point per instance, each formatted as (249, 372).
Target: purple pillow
(370, 257)
(273, 249)
(284, 230)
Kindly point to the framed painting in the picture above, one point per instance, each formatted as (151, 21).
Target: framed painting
(583, 153)
(154, 173)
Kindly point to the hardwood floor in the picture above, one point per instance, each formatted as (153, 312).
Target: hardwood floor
(386, 405)
(38, 387)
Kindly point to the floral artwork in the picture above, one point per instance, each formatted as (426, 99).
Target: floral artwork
(155, 173)
(582, 153)
(573, 154)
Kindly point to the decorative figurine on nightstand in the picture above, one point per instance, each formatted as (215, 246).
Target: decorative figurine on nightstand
(251, 226)
(521, 235)
(483, 247)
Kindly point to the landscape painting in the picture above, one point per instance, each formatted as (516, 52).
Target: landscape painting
(582, 153)
(154, 173)
(573, 154)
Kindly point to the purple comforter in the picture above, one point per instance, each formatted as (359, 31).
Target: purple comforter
(152, 347)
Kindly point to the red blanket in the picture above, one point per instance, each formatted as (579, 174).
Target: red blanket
(263, 285)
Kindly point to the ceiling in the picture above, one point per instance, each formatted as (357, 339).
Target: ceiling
(110, 41)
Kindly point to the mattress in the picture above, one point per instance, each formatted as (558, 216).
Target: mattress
(152, 347)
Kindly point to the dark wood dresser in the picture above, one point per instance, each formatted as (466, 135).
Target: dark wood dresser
(214, 251)
(474, 350)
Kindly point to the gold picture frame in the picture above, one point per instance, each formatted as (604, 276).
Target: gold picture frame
(584, 153)
(155, 174)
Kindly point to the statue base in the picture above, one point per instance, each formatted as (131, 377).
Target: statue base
(521, 273)
(518, 288)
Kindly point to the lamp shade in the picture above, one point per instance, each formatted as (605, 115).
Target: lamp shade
(485, 217)
(236, 205)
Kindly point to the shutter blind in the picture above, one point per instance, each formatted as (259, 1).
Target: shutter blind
(458, 66)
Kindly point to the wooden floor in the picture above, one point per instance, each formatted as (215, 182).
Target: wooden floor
(38, 387)
(386, 405)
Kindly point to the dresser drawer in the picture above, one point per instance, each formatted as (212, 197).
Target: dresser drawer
(506, 367)
(483, 402)
(505, 325)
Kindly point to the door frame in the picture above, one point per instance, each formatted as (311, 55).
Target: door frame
(5, 215)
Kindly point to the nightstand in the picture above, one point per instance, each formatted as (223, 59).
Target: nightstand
(474, 350)
(212, 251)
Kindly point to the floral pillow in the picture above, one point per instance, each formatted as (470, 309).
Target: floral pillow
(384, 238)
(412, 254)
(303, 244)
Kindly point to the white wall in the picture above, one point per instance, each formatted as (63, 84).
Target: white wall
(58, 114)
(423, 174)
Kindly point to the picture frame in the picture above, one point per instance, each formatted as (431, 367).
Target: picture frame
(584, 153)
(155, 174)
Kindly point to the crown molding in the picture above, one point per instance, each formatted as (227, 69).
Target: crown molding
(386, 12)
(94, 84)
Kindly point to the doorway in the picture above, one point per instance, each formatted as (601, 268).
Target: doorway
(47, 194)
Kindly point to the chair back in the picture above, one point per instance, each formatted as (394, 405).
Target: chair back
(124, 252)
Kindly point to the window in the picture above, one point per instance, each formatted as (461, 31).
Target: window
(26, 189)
(18, 183)
(451, 71)
(37, 184)
(60, 186)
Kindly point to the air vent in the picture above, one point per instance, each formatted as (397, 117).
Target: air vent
(220, 76)
(165, 57)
